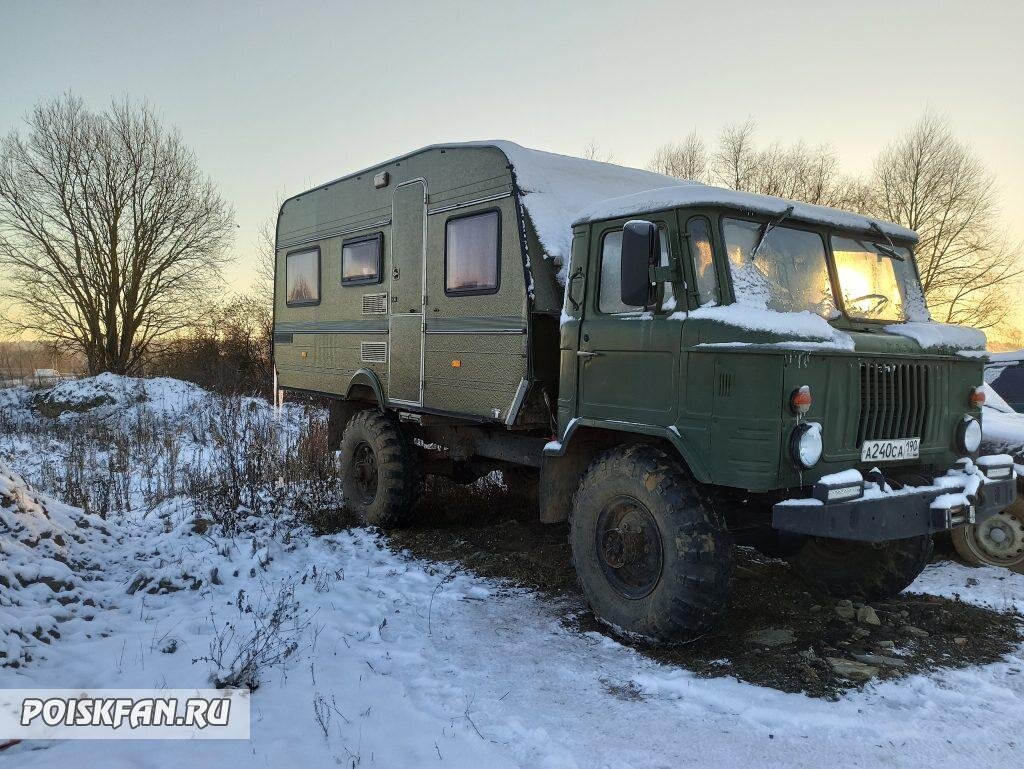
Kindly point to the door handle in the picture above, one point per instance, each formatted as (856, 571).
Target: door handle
(586, 354)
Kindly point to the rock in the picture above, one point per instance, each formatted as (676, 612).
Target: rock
(886, 644)
(845, 609)
(772, 637)
(880, 660)
(855, 671)
(972, 582)
(868, 616)
(960, 641)
(169, 646)
(915, 631)
(816, 608)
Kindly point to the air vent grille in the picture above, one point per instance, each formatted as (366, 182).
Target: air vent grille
(373, 352)
(375, 304)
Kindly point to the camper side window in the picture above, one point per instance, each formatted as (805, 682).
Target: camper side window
(302, 277)
(471, 254)
(361, 260)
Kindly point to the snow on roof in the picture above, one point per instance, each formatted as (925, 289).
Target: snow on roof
(692, 194)
(556, 188)
(559, 191)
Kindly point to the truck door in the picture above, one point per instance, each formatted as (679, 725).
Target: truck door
(627, 359)
(405, 323)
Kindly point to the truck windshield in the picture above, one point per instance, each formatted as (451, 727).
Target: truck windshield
(789, 272)
(873, 284)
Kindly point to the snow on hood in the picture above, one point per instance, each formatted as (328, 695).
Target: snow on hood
(941, 336)
(683, 193)
(801, 325)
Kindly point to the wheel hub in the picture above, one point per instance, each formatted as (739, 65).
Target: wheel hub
(1001, 537)
(629, 547)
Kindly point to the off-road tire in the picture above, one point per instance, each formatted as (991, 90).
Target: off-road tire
(865, 570)
(973, 543)
(692, 585)
(389, 503)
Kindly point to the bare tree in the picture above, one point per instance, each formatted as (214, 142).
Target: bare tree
(109, 233)
(932, 183)
(796, 172)
(688, 159)
(592, 151)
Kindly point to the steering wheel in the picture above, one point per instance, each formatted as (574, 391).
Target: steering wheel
(881, 300)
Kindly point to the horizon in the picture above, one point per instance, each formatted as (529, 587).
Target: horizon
(277, 100)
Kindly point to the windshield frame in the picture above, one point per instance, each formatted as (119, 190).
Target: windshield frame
(826, 234)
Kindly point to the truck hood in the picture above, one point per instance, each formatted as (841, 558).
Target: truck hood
(740, 326)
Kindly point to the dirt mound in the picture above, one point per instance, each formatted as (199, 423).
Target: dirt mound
(776, 632)
(45, 549)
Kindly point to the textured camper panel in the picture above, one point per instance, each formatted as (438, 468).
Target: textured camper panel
(486, 377)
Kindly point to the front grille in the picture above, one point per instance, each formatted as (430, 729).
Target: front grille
(893, 401)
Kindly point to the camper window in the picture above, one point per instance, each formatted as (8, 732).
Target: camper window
(609, 298)
(361, 260)
(471, 254)
(302, 278)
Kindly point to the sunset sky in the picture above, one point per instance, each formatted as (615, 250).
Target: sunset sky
(275, 97)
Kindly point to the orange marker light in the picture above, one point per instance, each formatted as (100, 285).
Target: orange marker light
(800, 401)
(456, 364)
(978, 397)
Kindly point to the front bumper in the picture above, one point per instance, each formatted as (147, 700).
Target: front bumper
(963, 496)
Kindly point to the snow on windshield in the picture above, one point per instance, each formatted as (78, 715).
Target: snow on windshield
(787, 274)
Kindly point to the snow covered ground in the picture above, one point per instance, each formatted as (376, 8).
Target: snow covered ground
(426, 666)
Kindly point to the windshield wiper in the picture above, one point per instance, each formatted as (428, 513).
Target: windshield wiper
(768, 227)
(890, 250)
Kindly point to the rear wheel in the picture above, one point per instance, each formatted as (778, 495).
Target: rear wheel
(651, 558)
(998, 541)
(379, 476)
(867, 570)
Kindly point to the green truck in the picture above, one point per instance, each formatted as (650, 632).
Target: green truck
(680, 368)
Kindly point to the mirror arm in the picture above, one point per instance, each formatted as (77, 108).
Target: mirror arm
(571, 285)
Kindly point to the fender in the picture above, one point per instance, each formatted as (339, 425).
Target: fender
(366, 378)
(689, 455)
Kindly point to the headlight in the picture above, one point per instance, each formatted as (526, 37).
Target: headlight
(969, 435)
(805, 444)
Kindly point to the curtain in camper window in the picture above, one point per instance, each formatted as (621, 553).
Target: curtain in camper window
(302, 277)
(471, 254)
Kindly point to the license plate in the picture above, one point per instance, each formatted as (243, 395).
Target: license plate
(890, 451)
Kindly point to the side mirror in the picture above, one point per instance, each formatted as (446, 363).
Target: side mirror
(640, 252)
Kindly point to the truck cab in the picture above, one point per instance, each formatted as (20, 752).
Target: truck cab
(685, 368)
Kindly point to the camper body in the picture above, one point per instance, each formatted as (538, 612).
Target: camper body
(685, 367)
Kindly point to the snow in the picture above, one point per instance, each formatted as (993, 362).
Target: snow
(940, 336)
(803, 325)
(683, 193)
(426, 663)
(1002, 428)
(555, 188)
(844, 478)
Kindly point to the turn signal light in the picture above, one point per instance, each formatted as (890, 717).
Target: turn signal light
(978, 397)
(800, 401)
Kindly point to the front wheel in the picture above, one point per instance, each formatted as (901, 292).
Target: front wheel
(866, 570)
(651, 558)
